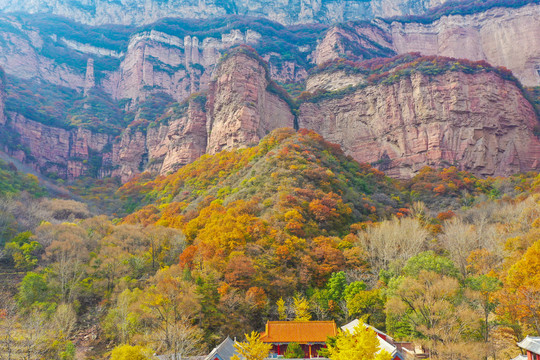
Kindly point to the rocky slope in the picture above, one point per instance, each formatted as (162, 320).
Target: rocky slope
(502, 36)
(286, 12)
(173, 56)
(243, 106)
(477, 122)
(178, 57)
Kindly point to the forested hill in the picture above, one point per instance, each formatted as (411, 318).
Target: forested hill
(290, 228)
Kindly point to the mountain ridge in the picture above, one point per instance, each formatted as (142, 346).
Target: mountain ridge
(139, 12)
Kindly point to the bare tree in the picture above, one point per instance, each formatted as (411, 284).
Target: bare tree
(460, 239)
(33, 336)
(393, 241)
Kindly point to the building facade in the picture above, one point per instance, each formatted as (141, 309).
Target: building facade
(531, 345)
(311, 335)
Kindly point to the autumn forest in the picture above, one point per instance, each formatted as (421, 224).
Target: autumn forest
(288, 229)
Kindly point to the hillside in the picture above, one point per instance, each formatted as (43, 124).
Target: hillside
(213, 247)
(178, 172)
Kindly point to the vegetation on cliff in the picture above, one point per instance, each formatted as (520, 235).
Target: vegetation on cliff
(388, 71)
(13, 182)
(460, 7)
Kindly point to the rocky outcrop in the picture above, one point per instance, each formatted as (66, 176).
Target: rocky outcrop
(165, 147)
(90, 78)
(51, 150)
(239, 112)
(477, 122)
(286, 12)
(187, 137)
(241, 108)
(333, 81)
(157, 61)
(501, 36)
(354, 41)
(22, 56)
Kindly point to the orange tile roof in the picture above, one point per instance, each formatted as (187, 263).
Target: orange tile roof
(301, 332)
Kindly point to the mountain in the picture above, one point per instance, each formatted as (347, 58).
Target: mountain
(116, 100)
(137, 12)
(178, 56)
(413, 111)
(495, 33)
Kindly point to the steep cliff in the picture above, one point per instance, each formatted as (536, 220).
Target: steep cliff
(502, 36)
(286, 12)
(54, 151)
(354, 41)
(174, 56)
(242, 109)
(179, 139)
(243, 106)
(402, 121)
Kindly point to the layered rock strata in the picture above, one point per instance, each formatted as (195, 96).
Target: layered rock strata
(286, 12)
(241, 109)
(501, 36)
(480, 123)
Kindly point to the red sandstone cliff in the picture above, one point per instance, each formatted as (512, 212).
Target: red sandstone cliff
(241, 109)
(478, 122)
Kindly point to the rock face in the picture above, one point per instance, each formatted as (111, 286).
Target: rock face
(286, 12)
(501, 36)
(178, 66)
(480, 123)
(163, 148)
(161, 58)
(65, 153)
(356, 41)
(187, 138)
(241, 109)
(143, 62)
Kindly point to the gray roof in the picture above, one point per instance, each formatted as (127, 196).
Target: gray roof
(531, 343)
(520, 357)
(171, 357)
(223, 351)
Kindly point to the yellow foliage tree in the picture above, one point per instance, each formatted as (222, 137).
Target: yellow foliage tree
(361, 344)
(520, 297)
(282, 309)
(128, 352)
(252, 349)
(301, 309)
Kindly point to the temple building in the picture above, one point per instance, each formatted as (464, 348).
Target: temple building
(531, 345)
(311, 335)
